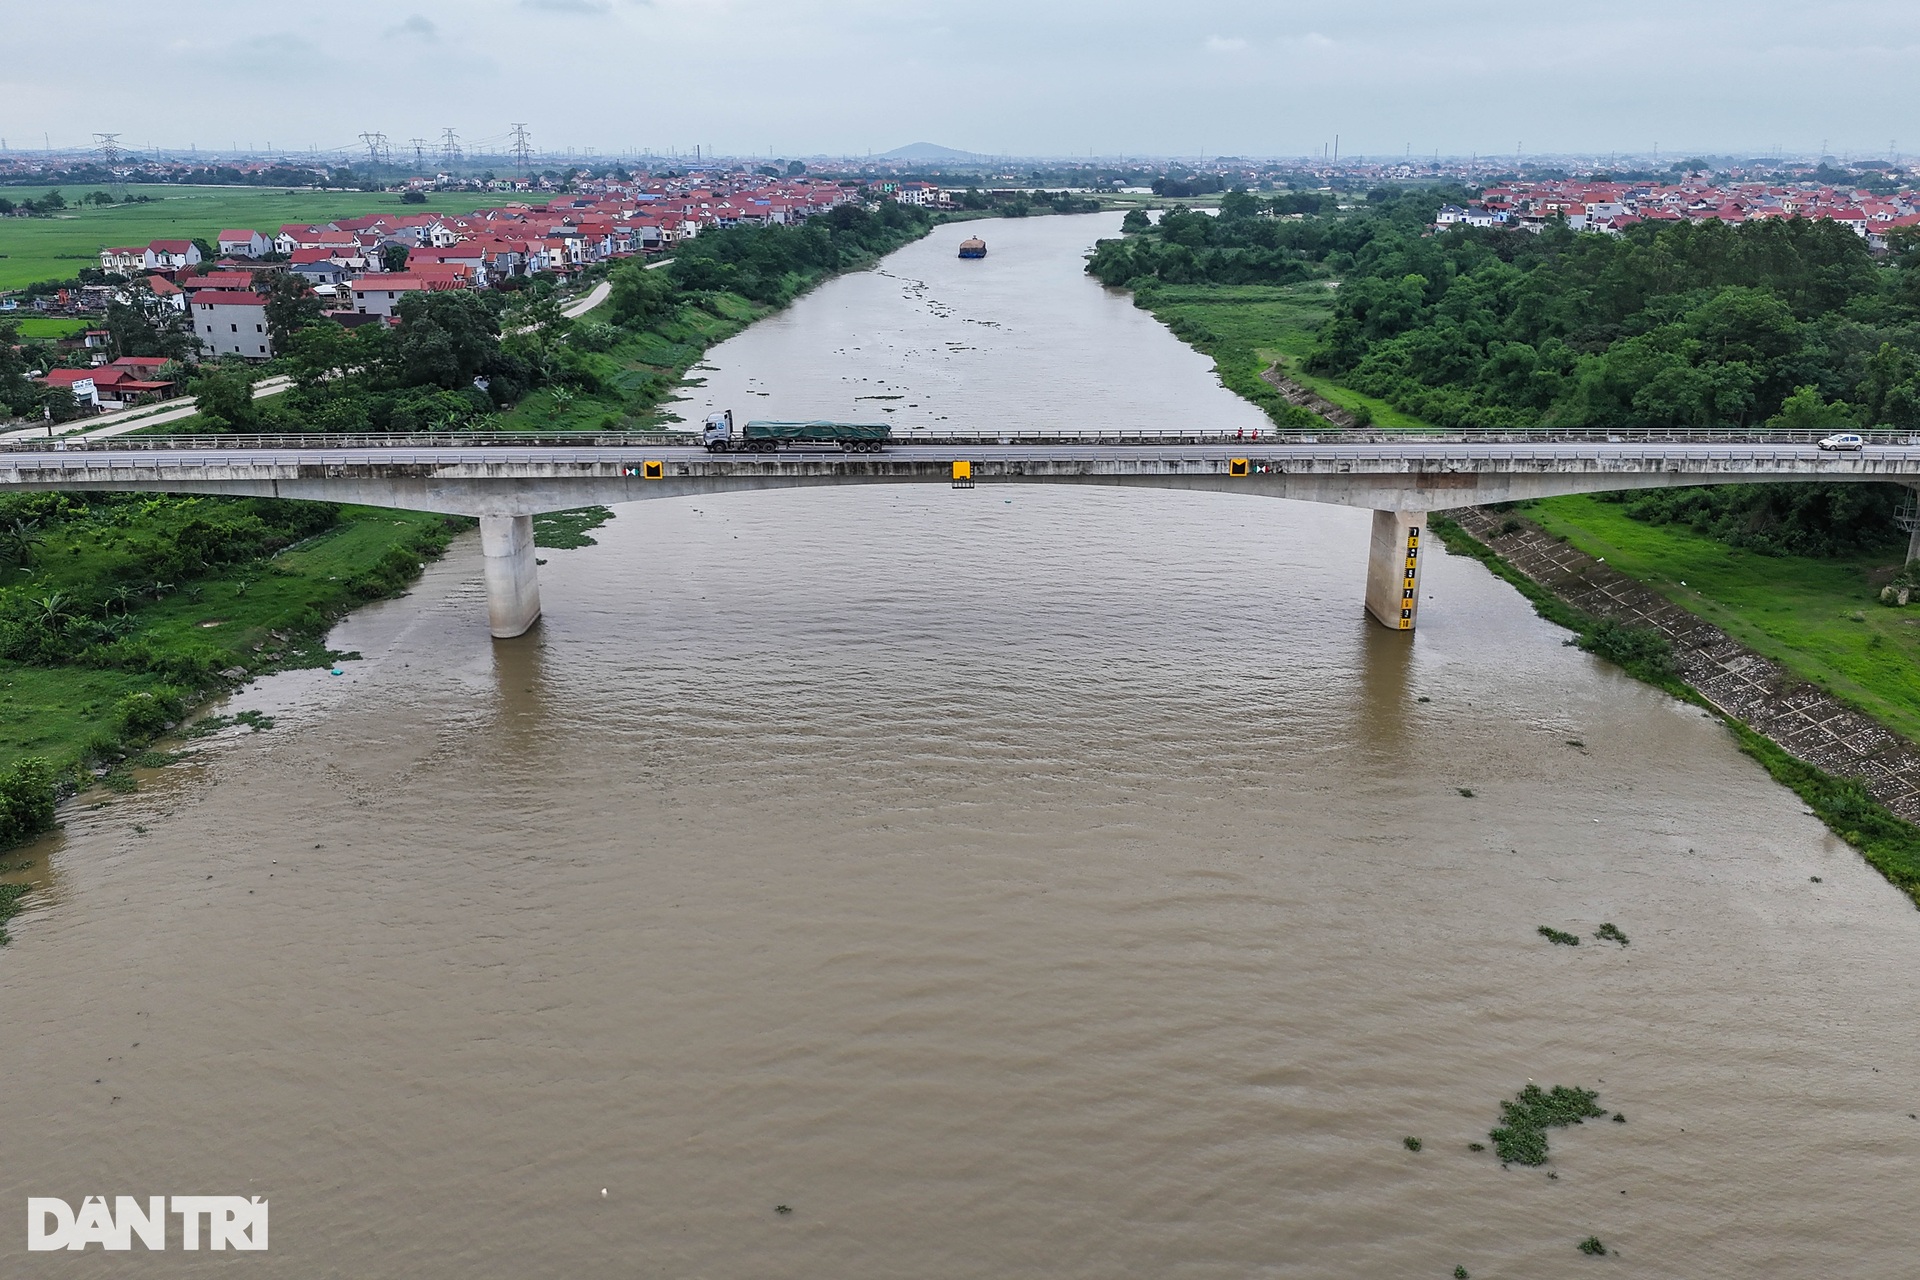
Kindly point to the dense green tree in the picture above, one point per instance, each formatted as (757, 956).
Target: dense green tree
(292, 304)
(224, 397)
(143, 324)
(18, 396)
(640, 296)
(445, 339)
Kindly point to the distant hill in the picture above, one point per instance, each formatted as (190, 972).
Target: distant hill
(925, 151)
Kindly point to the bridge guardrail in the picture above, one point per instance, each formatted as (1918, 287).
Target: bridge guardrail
(935, 437)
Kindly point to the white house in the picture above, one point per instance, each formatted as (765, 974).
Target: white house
(170, 255)
(381, 295)
(229, 322)
(243, 244)
(124, 261)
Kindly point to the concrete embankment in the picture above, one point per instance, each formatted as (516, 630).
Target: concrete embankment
(1800, 718)
(1306, 398)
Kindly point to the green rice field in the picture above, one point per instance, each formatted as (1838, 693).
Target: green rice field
(55, 248)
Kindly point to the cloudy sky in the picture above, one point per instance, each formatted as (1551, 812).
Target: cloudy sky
(1052, 77)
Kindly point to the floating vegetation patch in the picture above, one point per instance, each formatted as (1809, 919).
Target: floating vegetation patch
(1524, 1121)
(1460, 1273)
(1476, 1146)
(1557, 938)
(567, 530)
(1611, 933)
(1465, 791)
(1592, 1247)
(119, 780)
(1411, 1144)
(257, 721)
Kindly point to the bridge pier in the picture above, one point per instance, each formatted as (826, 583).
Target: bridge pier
(1393, 568)
(513, 582)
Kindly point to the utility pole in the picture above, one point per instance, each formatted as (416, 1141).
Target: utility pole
(522, 147)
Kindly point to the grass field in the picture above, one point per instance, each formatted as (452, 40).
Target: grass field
(1249, 328)
(1821, 619)
(55, 711)
(32, 326)
(34, 249)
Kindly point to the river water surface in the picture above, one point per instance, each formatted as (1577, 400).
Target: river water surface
(1065, 884)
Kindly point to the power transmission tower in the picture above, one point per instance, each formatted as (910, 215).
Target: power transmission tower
(449, 148)
(522, 148)
(419, 146)
(376, 147)
(110, 154)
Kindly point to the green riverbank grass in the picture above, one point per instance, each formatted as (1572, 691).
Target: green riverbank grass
(1249, 328)
(282, 604)
(55, 248)
(640, 376)
(1820, 619)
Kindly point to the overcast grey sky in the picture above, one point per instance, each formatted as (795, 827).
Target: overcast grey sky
(1055, 77)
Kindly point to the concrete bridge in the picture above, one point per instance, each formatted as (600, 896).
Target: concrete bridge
(506, 483)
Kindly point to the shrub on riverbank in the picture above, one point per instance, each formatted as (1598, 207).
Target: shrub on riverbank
(135, 607)
(27, 796)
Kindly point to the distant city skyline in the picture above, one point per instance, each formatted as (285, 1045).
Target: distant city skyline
(787, 78)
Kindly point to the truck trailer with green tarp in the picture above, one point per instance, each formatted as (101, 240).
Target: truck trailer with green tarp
(762, 436)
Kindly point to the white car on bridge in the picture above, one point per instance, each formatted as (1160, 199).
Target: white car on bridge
(1845, 440)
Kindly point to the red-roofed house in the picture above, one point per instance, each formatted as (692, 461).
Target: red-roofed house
(168, 291)
(78, 381)
(242, 280)
(128, 381)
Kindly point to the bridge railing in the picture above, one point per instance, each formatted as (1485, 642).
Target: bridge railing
(943, 437)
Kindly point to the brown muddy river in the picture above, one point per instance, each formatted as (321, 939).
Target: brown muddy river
(1065, 885)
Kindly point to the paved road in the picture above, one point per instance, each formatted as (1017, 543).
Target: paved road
(128, 420)
(594, 297)
(1880, 459)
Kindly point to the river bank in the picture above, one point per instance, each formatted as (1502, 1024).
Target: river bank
(1862, 780)
(130, 611)
(1819, 617)
(1821, 681)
